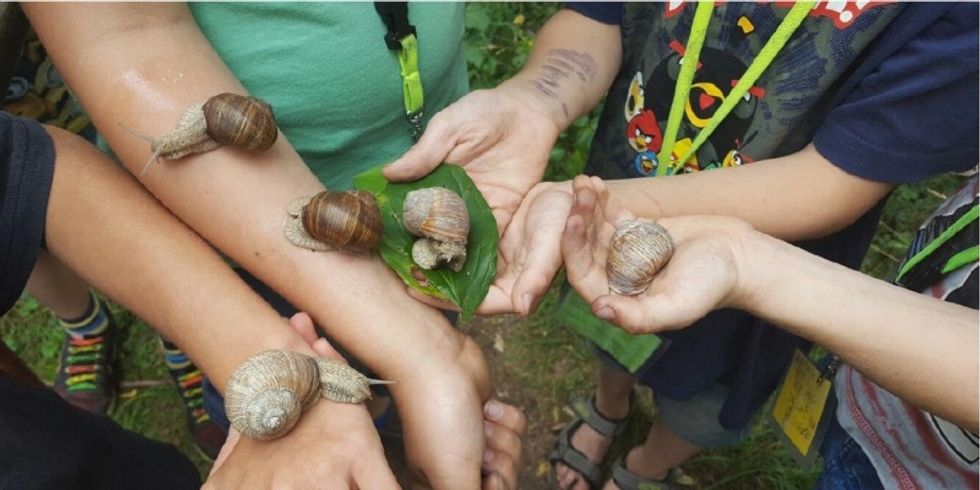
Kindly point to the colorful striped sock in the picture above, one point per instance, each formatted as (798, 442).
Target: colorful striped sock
(92, 323)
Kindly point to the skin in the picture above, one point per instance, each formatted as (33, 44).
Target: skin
(58, 287)
(876, 327)
(125, 62)
(90, 229)
(503, 137)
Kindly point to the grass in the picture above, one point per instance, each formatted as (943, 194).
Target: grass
(536, 361)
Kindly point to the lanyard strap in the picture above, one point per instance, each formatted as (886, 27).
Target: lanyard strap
(401, 38)
(682, 90)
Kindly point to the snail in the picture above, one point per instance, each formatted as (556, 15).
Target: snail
(268, 393)
(440, 217)
(638, 250)
(348, 221)
(225, 119)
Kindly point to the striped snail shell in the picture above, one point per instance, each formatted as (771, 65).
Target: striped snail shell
(638, 250)
(349, 220)
(437, 213)
(225, 119)
(242, 121)
(269, 392)
(440, 217)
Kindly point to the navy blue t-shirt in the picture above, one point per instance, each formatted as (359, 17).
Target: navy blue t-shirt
(887, 92)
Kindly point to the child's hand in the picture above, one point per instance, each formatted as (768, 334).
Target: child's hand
(702, 275)
(334, 445)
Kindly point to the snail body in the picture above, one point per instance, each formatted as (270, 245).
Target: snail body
(225, 119)
(638, 250)
(349, 221)
(268, 393)
(440, 217)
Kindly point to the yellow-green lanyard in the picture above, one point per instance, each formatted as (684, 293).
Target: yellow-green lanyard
(401, 38)
(682, 89)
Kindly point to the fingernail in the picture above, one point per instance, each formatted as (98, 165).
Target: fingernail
(487, 456)
(487, 430)
(526, 303)
(606, 313)
(493, 410)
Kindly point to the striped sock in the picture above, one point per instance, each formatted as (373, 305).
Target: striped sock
(188, 378)
(92, 323)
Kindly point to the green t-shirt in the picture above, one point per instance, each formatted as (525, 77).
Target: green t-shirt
(332, 81)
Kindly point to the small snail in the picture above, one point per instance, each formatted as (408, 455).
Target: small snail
(638, 250)
(440, 217)
(268, 393)
(225, 119)
(348, 221)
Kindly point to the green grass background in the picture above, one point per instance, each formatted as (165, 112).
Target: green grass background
(548, 360)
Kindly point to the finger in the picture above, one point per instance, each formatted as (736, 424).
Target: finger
(303, 324)
(421, 297)
(494, 481)
(506, 415)
(324, 349)
(579, 260)
(497, 302)
(430, 151)
(645, 314)
(540, 267)
(230, 442)
(502, 465)
(502, 440)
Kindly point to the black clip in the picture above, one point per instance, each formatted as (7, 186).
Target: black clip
(395, 17)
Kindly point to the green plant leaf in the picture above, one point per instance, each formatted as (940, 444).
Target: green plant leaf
(466, 288)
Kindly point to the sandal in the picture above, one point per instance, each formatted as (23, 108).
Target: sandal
(625, 479)
(586, 413)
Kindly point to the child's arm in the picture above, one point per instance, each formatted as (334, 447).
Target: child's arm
(922, 349)
(103, 225)
(796, 197)
(140, 66)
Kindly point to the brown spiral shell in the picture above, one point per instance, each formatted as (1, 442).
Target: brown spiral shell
(348, 220)
(437, 213)
(242, 121)
(638, 250)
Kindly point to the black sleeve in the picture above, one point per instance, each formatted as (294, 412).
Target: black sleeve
(26, 168)
(605, 12)
(916, 114)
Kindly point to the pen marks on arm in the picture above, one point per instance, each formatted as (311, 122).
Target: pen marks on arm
(561, 65)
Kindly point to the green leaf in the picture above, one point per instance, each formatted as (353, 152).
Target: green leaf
(466, 288)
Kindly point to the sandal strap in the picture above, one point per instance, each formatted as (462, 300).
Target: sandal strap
(566, 454)
(587, 410)
(627, 480)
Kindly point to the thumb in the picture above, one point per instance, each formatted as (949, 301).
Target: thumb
(430, 151)
(643, 314)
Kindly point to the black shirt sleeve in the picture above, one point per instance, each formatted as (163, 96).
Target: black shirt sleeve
(26, 169)
(605, 12)
(916, 113)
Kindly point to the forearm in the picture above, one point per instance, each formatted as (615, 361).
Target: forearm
(140, 66)
(919, 348)
(796, 197)
(107, 228)
(570, 68)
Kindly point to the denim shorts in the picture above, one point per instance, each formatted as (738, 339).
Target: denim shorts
(696, 419)
(845, 464)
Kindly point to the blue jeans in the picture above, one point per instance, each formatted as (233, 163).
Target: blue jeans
(845, 465)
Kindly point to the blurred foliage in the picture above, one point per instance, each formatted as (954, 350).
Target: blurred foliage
(499, 38)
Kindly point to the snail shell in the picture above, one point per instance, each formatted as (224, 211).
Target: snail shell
(225, 119)
(349, 221)
(268, 393)
(436, 213)
(242, 121)
(638, 250)
(429, 254)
